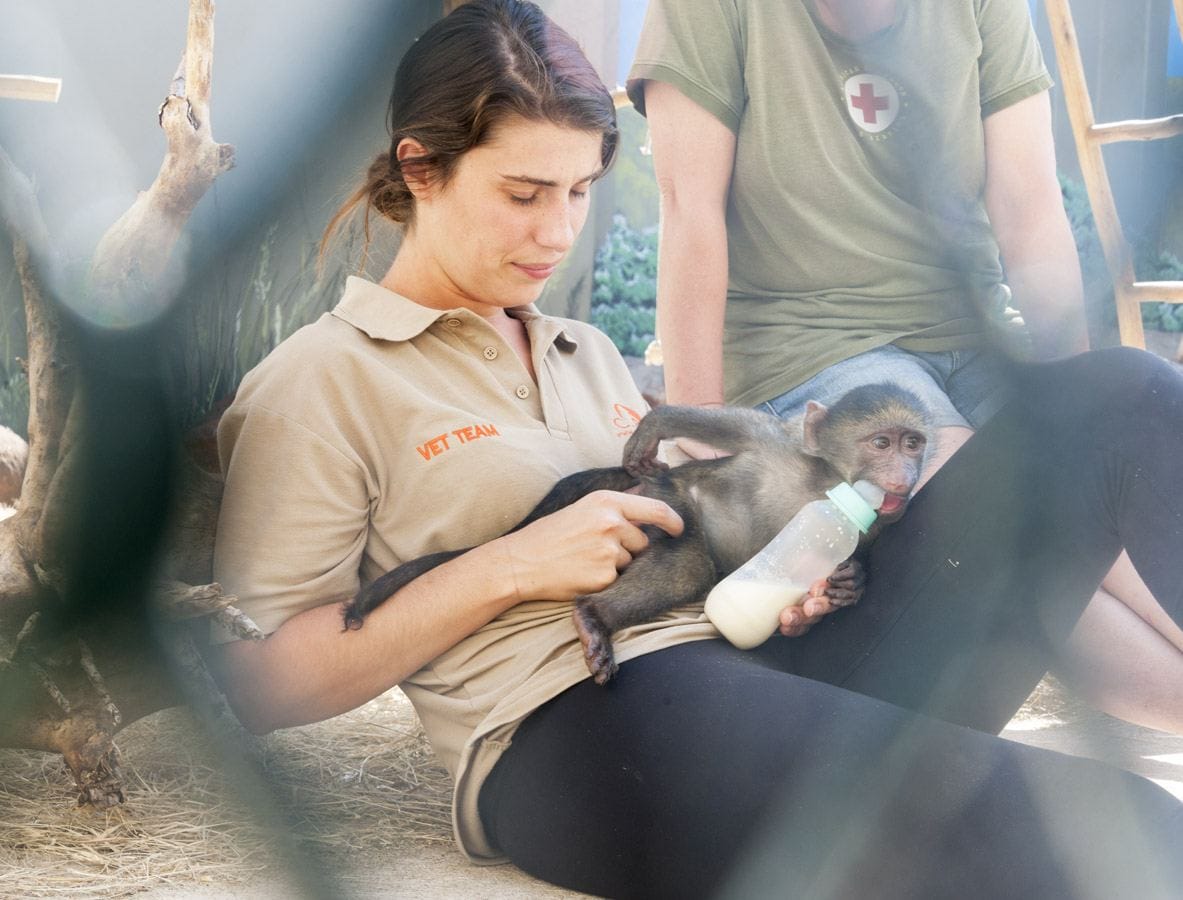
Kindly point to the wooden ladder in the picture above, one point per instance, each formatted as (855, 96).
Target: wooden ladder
(1090, 136)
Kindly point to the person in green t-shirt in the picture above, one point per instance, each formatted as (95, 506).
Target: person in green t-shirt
(856, 191)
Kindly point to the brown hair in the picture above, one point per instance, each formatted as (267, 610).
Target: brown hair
(484, 62)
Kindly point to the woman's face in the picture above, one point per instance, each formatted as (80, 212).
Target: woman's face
(493, 235)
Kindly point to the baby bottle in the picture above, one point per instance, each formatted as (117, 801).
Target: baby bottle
(746, 605)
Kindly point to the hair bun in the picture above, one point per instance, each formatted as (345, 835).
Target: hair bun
(386, 190)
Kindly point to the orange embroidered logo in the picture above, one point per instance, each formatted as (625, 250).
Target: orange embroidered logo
(625, 421)
(443, 442)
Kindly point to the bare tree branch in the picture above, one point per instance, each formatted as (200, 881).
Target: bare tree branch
(128, 276)
(199, 56)
(70, 686)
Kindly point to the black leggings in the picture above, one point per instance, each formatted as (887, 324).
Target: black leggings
(781, 772)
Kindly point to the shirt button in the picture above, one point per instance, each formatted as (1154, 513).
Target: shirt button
(523, 392)
(490, 353)
(453, 323)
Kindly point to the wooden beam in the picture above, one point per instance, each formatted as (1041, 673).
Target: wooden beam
(1138, 129)
(1119, 258)
(30, 87)
(1157, 291)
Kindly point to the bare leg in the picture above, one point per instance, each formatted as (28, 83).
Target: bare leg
(1124, 583)
(1121, 665)
(1125, 656)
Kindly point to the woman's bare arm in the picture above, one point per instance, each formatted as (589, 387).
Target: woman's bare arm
(311, 668)
(693, 155)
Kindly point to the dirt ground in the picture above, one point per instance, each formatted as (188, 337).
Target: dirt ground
(430, 872)
(1051, 719)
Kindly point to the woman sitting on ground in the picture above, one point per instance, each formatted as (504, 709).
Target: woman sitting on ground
(431, 411)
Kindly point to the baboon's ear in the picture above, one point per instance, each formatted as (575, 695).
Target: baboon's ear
(815, 415)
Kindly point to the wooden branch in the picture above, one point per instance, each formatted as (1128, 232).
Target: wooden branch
(199, 56)
(180, 602)
(50, 370)
(71, 691)
(60, 695)
(128, 276)
(30, 87)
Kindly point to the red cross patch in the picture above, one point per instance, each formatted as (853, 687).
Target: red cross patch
(872, 101)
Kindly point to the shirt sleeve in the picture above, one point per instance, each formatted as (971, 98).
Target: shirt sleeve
(294, 517)
(1011, 66)
(696, 46)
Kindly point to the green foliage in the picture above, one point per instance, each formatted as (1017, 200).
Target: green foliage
(1084, 229)
(1150, 264)
(624, 287)
(635, 186)
(14, 385)
(14, 402)
(229, 322)
(1164, 266)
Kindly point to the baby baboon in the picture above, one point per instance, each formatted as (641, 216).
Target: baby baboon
(731, 506)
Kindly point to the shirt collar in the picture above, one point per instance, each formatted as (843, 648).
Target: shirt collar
(386, 316)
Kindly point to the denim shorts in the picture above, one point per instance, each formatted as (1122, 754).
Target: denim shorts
(960, 387)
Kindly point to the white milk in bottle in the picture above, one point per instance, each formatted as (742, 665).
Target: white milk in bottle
(746, 605)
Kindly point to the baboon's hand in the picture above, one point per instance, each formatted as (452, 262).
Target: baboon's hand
(846, 583)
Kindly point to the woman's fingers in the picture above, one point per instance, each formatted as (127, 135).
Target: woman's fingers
(648, 511)
(580, 549)
(632, 539)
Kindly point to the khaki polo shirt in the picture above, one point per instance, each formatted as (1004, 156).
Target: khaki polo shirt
(386, 430)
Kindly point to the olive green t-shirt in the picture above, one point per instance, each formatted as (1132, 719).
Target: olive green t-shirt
(856, 214)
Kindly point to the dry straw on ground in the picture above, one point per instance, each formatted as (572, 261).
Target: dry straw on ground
(365, 781)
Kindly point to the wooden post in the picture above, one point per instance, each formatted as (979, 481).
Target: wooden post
(1118, 256)
(1129, 294)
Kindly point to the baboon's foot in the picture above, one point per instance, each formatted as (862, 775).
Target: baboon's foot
(597, 643)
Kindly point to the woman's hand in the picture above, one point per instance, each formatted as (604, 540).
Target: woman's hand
(797, 619)
(581, 548)
(844, 587)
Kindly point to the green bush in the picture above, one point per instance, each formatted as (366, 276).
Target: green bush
(1164, 266)
(14, 402)
(1150, 264)
(226, 323)
(634, 184)
(624, 287)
